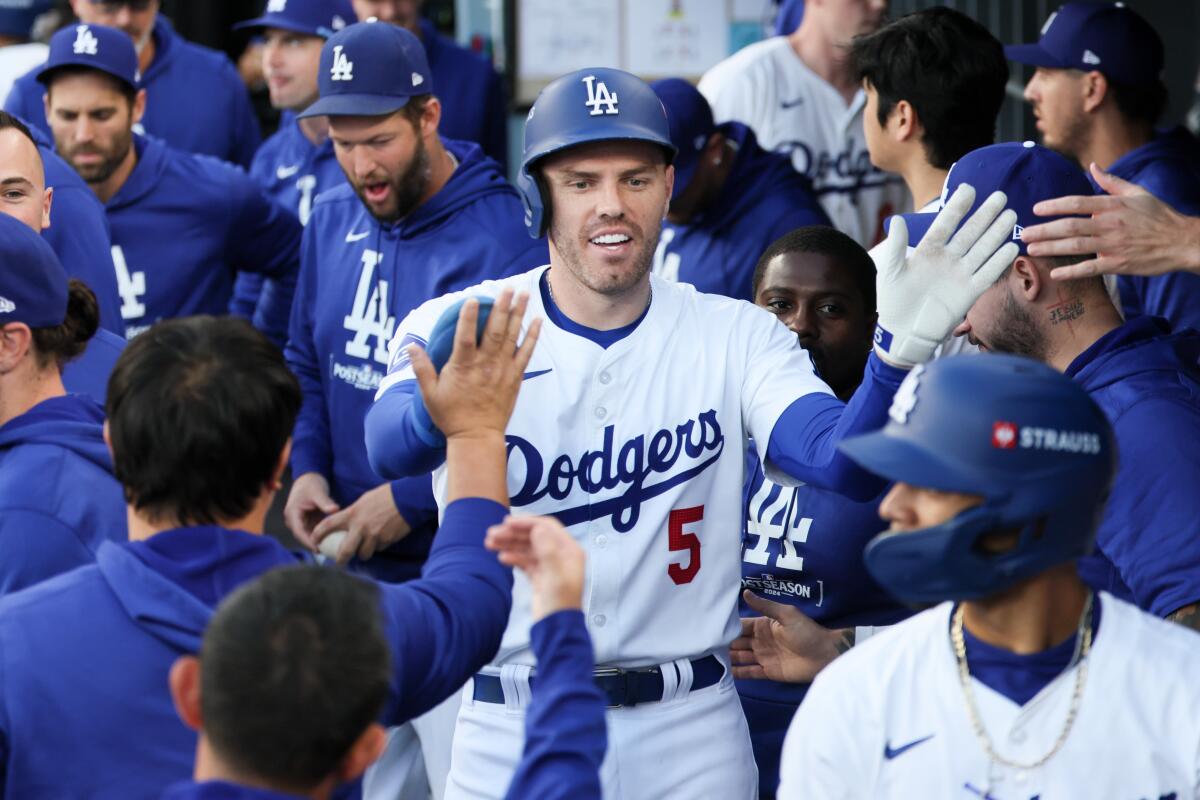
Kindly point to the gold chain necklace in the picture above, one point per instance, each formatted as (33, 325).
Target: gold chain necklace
(1083, 645)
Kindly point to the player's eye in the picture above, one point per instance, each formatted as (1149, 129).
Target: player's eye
(779, 306)
(638, 183)
(13, 194)
(831, 309)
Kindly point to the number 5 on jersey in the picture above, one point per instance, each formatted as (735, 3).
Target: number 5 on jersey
(681, 539)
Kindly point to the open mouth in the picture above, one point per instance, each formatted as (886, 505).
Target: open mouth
(376, 192)
(612, 242)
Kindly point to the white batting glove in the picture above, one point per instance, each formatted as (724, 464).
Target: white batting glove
(923, 296)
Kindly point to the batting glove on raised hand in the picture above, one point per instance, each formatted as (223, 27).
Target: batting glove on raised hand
(923, 295)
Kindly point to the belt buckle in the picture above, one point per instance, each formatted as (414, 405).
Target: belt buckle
(608, 672)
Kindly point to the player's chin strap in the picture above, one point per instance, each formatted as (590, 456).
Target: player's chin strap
(924, 294)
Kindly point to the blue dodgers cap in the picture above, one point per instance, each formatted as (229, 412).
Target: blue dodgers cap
(33, 283)
(97, 47)
(1026, 172)
(690, 121)
(370, 69)
(321, 18)
(1107, 37)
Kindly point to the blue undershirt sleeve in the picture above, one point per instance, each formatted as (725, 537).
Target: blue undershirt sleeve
(804, 441)
(401, 439)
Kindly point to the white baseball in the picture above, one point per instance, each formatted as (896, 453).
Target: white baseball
(330, 544)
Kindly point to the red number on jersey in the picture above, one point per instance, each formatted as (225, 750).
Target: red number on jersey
(678, 539)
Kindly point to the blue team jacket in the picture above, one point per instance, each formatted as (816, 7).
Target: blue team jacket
(474, 101)
(292, 171)
(763, 198)
(195, 99)
(59, 501)
(803, 546)
(84, 657)
(1148, 383)
(89, 373)
(183, 225)
(358, 280)
(78, 232)
(1168, 166)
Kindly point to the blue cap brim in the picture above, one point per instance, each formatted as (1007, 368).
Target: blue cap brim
(1032, 54)
(47, 71)
(898, 460)
(354, 105)
(284, 25)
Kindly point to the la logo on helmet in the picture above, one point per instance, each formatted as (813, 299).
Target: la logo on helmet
(343, 68)
(85, 42)
(598, 95)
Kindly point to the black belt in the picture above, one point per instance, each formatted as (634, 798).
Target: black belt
(622, 687)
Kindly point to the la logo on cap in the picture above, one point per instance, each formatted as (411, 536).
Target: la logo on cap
(85, 42)
(343, 68)
(598, 95)
(276, 6)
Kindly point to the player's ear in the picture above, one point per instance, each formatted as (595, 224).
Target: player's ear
(139, 106)
(184, 681)
(1094, 89)
(1027, 279)
(431, 116)
(363, 753)
(904, 121)
(670, 176)
(281, 466)
(47, 201)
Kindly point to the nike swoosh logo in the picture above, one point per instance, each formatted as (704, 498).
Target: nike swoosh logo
(889, 753)
(283, 173)
(529, 375)
(792, 103)
(354, 237)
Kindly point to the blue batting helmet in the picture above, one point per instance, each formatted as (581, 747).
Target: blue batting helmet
(590, 105)
(1026, 438)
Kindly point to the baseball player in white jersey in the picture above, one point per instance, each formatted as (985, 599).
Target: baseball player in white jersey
(631, 429)
(800, 96)
(1022, 683)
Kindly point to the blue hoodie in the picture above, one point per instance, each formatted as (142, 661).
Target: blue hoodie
(84, 657)
(762, 199)
(78, 233)
(1148, 383)
(59, 501)
(474, 101)
(195, 99)
(292, 171)
(472, 230)
(89, 373)
(1168, 166)
(183, 225)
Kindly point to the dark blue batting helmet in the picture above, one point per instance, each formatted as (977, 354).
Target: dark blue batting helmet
(1025, 437)
(590, 105)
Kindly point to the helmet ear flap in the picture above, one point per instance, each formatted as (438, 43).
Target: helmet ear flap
(543, 190)
(535, 196)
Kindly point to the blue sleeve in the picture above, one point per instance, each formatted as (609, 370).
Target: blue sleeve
(311, 445)
(34, 547)
(79, 235)
(448, 623)
(1174, 296)
(804, 441)
(1151, 531)
(415, 501)
(565, 734)
(246, 290)
(245, 133)
(401, 442)
(264, 238)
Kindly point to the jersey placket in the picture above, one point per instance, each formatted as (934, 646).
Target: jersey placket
(601, 408)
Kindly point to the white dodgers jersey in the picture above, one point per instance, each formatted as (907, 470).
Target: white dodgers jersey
(889, 720)
(795, 112)
(639, 450)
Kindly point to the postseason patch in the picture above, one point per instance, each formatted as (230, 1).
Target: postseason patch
(400, 359)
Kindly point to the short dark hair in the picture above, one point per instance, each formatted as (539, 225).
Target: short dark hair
(1141, 102)
(829, 242)
(67, 341)
(8, 121)
(294, 667)
(415, 107)
(127, 91)
(199, 411)
(951, 70)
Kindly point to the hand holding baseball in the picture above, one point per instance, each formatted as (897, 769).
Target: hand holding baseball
(545, 551)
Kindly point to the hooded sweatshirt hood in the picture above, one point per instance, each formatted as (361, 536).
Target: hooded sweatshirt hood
(1141, 347)
(72, 422)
